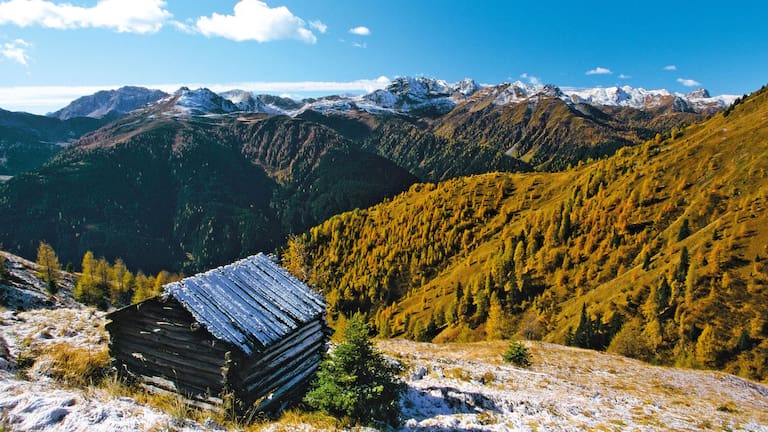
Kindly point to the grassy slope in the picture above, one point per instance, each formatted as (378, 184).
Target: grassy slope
(450, 387)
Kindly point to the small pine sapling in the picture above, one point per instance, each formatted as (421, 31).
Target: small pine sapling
(517, 354)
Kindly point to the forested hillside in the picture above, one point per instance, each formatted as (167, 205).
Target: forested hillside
(28, 140)
(190, 194)
(658, 252)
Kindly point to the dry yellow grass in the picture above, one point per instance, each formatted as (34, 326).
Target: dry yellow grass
(75, 365)
(599, 391)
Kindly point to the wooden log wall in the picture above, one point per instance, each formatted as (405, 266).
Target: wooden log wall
(264, 381)
(161, 345)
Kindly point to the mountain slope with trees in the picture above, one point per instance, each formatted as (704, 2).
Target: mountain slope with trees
(657, 252)
(28, 140)
(190, 193)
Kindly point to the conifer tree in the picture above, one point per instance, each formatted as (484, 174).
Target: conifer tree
(87, 289)
(4, 272)
(494, 325)
(49, 266)
(707, 347)
(356, 381)
(682, 267)
(684, 230)
(517, 354)
(120, 285)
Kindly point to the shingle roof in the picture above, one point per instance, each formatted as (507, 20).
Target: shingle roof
(251, 303)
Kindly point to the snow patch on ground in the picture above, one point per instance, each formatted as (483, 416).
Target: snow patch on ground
(35, 406)
(38, 403)
(462, 387)
(467, 387)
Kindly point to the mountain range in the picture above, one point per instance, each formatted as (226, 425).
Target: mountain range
(27, 140)
(406, 95)
(193, 179)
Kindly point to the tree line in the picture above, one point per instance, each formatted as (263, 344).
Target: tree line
(101, 283)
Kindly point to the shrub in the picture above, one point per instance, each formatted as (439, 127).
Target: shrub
(517, 354)
(77, 366)
(356, 381)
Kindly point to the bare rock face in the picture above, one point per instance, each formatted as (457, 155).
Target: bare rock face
(109, 103)
(22, 290)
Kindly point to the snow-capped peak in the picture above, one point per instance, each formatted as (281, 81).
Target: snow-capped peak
(250, 102)
(201, 101)
(407, 94)
(420, 95)
(640, 98)
(701, 93)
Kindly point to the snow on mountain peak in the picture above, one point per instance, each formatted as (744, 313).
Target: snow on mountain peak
(202, 101)
(408, 94)
(412, 95)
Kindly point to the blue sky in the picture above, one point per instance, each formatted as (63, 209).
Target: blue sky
(52, 51)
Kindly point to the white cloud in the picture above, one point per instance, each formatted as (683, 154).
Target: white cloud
(360, 31)
(688, 82)
(255, 20)
(184, 27)
(318, 25)
(124, 16)
(599, 71)
(670, 68)
(359, 45)
(622, 76)
(16, 51)
(44, 99)
(531, 79)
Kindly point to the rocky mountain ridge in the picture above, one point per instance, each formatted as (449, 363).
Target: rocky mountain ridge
(405, 95)
(109, 103)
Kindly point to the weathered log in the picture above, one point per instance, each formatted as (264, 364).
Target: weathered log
(189, 383)
(200, 401)
(190, 340)
(259, 361)
(288, 358)
(170, 361)
(265, 381)
(278, 394)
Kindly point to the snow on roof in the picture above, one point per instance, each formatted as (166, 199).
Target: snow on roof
(250, 303)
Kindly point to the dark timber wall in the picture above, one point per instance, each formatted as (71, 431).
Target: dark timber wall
(248, 329)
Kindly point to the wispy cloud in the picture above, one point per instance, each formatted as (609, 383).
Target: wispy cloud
(622, 76)
(599, 71)
(124, 16)
(531, 79)
(187, 27)
(43, 99)
(688, 82)
(255, 20)
(359, 45)
(318, 25)
(360, 31)
(16, 51)
(670, 68)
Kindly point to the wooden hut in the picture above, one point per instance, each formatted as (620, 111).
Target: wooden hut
(248, 330)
